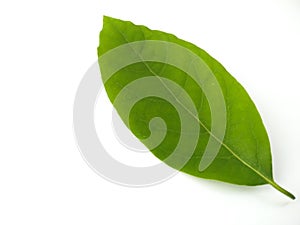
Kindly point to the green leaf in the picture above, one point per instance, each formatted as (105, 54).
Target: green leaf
(183, 105)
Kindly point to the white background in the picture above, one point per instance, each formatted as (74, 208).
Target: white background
(46, 47)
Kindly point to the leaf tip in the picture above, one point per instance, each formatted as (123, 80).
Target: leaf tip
(108, 19)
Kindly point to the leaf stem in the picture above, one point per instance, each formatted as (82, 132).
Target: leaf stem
(282, 190)
(270, 181)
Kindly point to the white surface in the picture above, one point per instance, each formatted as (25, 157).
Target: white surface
(45, 48)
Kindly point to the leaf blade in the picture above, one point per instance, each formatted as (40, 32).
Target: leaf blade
(244, 122)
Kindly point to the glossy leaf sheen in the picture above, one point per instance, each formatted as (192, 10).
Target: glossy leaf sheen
(244, 157)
